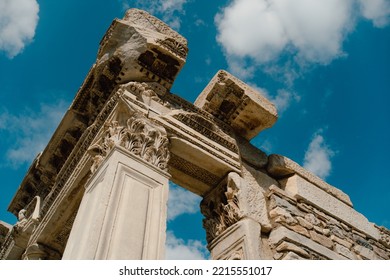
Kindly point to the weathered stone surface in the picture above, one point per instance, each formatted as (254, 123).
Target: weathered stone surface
(282, 215)
(240, 241)
(252, 155)
(312, 219)
(344, 251)
(237, 104)
(321, 239)
(278, 256)
(382, 253)
(148, 49)
(365, 252)
(299, 229)
(303, 189)
(274, 189)
(4, 229)
(283, 234)
(303, 222)
(341, 241)
(292, 256)
(281, 167)
(287, 246)
(107, 226)
(276, 201)
(256, 185)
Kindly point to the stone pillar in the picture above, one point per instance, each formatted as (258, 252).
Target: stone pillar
(230, 231)
(123, 211)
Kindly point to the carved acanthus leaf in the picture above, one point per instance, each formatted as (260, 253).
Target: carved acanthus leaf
(221, 207)
(139, 136)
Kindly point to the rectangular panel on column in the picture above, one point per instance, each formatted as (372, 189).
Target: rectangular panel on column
(138, 206)
(123, 212)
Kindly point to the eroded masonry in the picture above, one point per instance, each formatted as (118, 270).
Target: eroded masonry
(99, 190)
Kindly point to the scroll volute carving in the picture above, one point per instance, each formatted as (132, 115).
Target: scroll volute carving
(138, 135)
(221, 207)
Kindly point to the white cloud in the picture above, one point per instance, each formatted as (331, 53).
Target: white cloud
(169, 10)
(18, 21)
(283, 99)
(376, 10)
(181, 202)
(307, 31)
(178, 249)
(29, 131)
(318, 156)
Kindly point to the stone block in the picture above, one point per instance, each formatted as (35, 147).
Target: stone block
(365, 252)
(382, 253)
(282, 194)
(299, 229)
(341, 241)
(281, 167)
(303, 189)
(145, 48)
(251, 154)
(231, 100)
(282, 213)
(323, 240)
(276, 201)
(344, 251)
(286, 246)
(292, 256)
(239, 241)
(283, 234)
(304, 223)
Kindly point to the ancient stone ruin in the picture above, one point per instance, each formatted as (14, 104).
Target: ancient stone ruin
(99, 190)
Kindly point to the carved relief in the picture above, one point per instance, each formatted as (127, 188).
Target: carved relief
(174, 46)
(193, 170)
(139, 136)
(207, 128)
(221, 207)
(28, 218)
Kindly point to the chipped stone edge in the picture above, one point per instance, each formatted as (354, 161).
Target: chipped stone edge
(281, 167)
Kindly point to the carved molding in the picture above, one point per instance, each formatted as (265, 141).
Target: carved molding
(193, 170)
(174, 46)
(139, 136)
(221, 207)
(207, 128)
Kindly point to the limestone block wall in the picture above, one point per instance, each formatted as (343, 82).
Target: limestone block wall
(309, 223)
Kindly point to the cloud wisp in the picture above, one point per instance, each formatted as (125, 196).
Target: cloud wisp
(181, 202)
(29, 131)
(318, 156)
(178, 249)
(378, 11)
(169, 10)
(18, 21)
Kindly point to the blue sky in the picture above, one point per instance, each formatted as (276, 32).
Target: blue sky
(325, 64)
